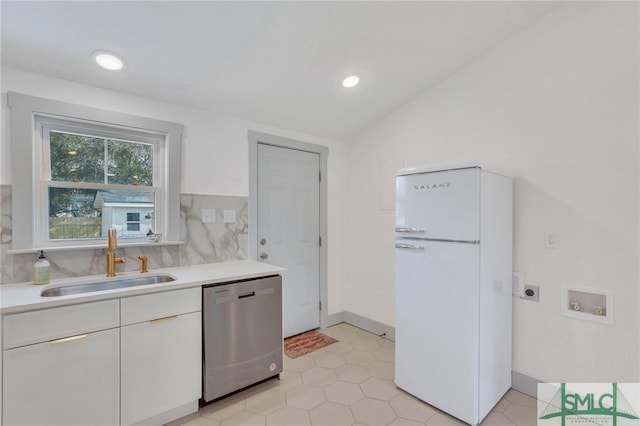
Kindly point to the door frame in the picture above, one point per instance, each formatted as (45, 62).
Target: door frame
(256, 138)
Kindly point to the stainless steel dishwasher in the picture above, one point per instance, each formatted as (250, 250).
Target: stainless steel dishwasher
(242, 334)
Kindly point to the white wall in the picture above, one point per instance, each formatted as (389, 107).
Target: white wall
(557, 106)
(215, 155)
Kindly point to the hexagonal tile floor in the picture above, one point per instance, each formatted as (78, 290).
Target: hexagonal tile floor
(347, 383)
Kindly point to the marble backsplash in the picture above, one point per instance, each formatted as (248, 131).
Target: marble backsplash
(204, 242)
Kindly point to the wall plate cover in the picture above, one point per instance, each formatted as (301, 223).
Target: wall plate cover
(517, 284)
(228, 216)
(208, 216)
(550, 240)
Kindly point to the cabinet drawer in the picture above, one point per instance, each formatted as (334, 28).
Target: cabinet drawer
(75, 382)
(40, 326)
(159, 305)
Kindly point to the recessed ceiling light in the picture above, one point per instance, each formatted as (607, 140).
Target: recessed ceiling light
(108, 60)
(351, 81)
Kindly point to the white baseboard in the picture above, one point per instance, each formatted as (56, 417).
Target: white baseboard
(333, 319)
(364, 323)
(525, 384)
(370, 325)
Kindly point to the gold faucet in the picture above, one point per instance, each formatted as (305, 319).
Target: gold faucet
(143, 264)
(112, 260)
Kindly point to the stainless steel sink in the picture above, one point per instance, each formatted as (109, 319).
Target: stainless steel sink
(106, 285)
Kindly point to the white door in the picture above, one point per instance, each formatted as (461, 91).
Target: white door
(289, 230)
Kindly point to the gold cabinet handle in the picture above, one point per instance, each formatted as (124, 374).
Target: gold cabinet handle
(68, 339)
(172, 317)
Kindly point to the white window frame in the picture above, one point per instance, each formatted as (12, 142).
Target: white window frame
(31, 117)
(44, 125)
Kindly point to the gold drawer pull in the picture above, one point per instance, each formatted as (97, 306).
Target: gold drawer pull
(68, 339)
(172, 317)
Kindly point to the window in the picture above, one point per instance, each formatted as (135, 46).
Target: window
(133, 222)
(92, 176)
(91, 170)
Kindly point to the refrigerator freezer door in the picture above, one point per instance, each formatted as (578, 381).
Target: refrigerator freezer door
(437, 338)
(439, 205)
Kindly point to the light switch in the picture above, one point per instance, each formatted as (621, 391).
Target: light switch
(208, 216)
(229, 216)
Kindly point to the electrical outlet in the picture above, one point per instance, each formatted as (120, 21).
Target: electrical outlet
(531, 292)
(550, 240)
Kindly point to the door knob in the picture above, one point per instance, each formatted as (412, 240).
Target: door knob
(264, 256)
(263, 242)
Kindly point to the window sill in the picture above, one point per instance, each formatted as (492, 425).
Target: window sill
(95, 247)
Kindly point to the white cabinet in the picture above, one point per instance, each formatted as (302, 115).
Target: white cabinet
(121, 361)
(161, 356)
(66, 378)
(160, 366)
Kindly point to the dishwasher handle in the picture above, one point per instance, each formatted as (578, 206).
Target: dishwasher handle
(227, 298)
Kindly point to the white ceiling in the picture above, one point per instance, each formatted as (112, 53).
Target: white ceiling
(279, 63)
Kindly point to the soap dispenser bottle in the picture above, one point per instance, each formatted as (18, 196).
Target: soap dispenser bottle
(41, 271)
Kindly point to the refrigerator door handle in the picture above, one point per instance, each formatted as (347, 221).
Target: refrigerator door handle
(441, 240)
(409, 246)
(413, 230)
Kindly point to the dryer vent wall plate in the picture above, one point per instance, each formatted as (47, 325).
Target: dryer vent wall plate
(517, 284)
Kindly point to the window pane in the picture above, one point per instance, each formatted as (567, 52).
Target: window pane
(133, 227)
(130, 163)
(76, 158)
(72, 214)
(89, 213)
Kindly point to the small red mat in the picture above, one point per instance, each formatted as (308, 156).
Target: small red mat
(304, 343)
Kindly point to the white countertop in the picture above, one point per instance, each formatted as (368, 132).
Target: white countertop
(26, 296)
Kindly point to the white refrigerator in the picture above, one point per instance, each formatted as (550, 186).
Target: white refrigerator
(453, 287)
